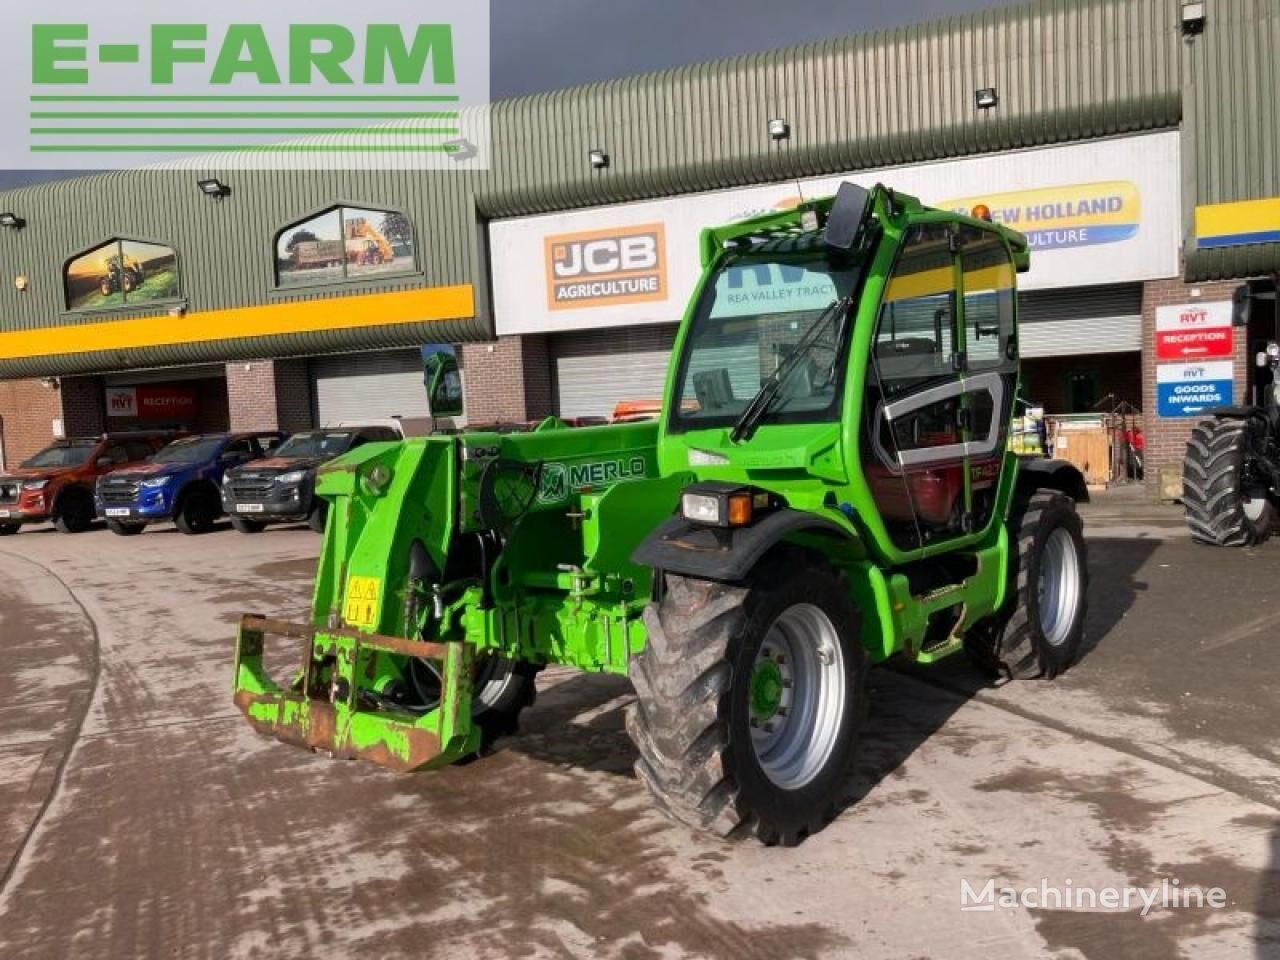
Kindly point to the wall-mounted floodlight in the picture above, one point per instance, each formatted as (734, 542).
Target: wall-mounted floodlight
(12, 221)
(213, 188)
(599, 159)
(1192, 19)
(986, 98)
(779, 129)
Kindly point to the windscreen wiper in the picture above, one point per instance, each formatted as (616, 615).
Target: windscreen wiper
(762, 402)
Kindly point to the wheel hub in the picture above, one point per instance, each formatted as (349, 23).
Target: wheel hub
(767, 686)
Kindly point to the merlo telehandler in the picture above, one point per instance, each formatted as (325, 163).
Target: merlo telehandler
(829, 486)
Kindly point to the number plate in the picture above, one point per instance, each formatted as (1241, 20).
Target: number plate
(250, 508)
(118, 512)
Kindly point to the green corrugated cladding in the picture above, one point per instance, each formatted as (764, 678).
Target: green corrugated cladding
(1232, 108)
(1065, 70)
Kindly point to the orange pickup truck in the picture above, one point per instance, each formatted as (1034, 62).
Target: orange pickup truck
(57, 483)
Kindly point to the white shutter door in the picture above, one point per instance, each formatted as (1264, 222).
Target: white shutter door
(369, 386)
(598, 369)
(1083, 320)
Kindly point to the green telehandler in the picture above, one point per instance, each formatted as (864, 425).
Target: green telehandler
(829, 486)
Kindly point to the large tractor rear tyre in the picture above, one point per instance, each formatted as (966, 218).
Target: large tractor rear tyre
(1226, 504)
(1041, 632)
(749, 700)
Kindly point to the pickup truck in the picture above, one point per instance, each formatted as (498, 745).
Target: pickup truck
(182, 482)
(57, 483)
(281, 489)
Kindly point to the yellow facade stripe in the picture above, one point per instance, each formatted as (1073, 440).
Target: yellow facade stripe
(310, 316)
(1236, 219)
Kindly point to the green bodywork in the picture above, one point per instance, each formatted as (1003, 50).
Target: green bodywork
(555, 515)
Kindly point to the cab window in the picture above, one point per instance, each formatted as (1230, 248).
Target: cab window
(989, 301)
(240, 448)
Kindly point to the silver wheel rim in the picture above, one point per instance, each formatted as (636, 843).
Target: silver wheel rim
(1059, 587)
(1254, 507)
(801, 650)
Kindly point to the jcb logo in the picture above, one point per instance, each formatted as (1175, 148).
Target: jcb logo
(607, 267)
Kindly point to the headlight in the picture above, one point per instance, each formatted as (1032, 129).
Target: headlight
(296, 477)
(1273, 350)
(721, 504)
(157, 484)
(34, 485)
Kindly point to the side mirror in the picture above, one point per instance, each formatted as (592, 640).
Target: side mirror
(849, 215)
(444, 385)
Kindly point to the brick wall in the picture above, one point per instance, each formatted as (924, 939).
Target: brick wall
(269, 395)
(1167, 437)
(27, 412)
(293, 396)
(507, 381)
(84, 411)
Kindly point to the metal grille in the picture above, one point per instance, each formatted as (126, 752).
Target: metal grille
(118, 489)
(243, 488)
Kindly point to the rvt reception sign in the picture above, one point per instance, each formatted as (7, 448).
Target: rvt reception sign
(1194, 331)
(1193, 389)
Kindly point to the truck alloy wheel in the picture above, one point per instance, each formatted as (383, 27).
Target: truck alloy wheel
(748, 702)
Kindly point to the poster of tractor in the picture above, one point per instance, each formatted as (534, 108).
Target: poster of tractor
(122, 272)
(345, 243)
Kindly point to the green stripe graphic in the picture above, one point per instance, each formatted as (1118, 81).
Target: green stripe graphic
(224, 115)
(241, 131)
(155, 98)
(244, 148)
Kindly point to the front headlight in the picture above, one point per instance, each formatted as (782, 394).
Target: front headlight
(159, 483)
(34, 485)
(296, 477)
(721, 504)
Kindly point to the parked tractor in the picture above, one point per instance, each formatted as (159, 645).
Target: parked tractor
(828, 486)
(122, 276)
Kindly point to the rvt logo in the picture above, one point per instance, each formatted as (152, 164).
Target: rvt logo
(1193, 317)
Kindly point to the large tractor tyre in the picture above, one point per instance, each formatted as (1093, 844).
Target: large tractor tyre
(1226, 501)
(9, 529)
(1041, 632)
(198, 513)
(74, 512)
(749, 701)
(125, 529)
(241, 525)
(318, 516)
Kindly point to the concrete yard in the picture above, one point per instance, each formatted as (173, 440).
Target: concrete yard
(141, 817)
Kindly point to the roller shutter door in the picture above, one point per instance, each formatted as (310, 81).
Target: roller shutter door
(368, 386)
(596, 370)
(1081, 320)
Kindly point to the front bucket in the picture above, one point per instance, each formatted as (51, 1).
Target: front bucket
(325, 713)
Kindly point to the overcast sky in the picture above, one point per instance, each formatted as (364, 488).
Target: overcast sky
(547, 44)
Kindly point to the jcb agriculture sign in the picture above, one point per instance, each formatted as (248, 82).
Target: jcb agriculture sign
(607, 267)
(259, 85)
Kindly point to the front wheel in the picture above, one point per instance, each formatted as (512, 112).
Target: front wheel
(9, 529)
(749, 700)
(125, 529)
(199, 512)
(74, 513)
(243, 525)
(1041, 632)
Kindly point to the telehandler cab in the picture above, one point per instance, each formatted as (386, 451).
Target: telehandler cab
(829, 486)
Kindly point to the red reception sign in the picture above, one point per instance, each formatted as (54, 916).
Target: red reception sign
(152, 403)
(1194, 331)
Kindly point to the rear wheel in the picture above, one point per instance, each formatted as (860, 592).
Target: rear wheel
(125, 529)
(1041, 633)
(247, 526)
(9, 529)
(74, 513)
(1226, 497)
(199, 512)
(748, 702)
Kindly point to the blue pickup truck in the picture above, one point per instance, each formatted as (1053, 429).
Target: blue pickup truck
(182, 482)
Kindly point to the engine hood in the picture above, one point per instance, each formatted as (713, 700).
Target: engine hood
(149, 471)
(275, 465)
(29, 474)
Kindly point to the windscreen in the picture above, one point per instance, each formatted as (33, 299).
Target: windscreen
(753, 316)
(61, 455)
(315, 445)
(190, 451)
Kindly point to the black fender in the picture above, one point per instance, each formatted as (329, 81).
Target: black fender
(1041, 473)
(728, 555)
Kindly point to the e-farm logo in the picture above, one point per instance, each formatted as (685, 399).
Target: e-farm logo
(249, 85)
(606, 268)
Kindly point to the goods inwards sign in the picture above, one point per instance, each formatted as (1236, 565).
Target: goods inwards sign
(606, 268)
(1193, 389)
(244, 84)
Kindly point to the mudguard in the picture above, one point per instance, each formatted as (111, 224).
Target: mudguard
(711, 553)
(1042, 473)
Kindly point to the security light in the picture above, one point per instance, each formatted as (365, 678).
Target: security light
(12, 221)
(599, 159)
(986, 98)
(1192, 19)
(214, 188)
(779, 129)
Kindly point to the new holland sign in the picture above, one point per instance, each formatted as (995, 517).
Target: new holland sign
(327, 83)
(1194, 331)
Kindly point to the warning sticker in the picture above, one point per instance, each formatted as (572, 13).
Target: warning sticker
(361, 608)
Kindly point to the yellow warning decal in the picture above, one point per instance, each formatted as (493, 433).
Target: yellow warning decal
(361, 608)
